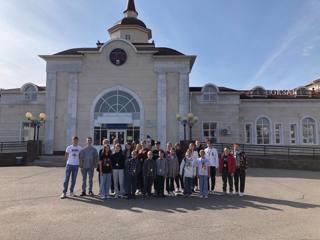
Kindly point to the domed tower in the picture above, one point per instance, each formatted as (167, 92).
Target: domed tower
(130, 27)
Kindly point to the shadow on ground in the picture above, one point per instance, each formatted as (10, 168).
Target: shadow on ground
(184, 205)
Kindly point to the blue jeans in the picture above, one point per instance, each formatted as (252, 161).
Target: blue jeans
(203, 180)
(71, 170)
(85, 172)
(188, 185)
(105, 180)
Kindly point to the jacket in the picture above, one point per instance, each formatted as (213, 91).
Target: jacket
(231, 164)
(149, 168)
(188, 168)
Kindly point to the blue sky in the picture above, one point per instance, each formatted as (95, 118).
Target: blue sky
(238, 43)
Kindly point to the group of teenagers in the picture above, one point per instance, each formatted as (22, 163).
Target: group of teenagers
(141, 167)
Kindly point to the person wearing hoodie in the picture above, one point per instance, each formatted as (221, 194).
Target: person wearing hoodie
(118, 162)
(203, 166)
(188, 170)
(149, 173)
(227, 169)
(162, 171)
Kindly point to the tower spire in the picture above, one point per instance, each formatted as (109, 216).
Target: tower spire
(131, 10)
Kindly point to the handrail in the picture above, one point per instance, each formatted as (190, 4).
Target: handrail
(282, 150)
(13, 146)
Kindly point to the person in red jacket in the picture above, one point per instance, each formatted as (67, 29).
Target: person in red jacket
(227, 169)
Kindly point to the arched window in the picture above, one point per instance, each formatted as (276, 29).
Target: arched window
(308, 131)
(117, 102)
(209, 94)
(30, 93)
(263, 130)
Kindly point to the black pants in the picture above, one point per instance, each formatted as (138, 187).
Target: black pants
(147, 183)
(112, 185)
(160, 186)
(213, 178)
(226, 176)
(132, 186)
(169, 184)
(179, 181)
(240, 174)
(195, 181)
(140, 181)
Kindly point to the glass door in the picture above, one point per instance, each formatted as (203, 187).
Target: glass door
(121, 135)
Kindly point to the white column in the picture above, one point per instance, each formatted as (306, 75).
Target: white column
(72, 106)
(183, 99)
(51, 89)
(162, 109)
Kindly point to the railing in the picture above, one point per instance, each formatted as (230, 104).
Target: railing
(11, 147)
(275, 150)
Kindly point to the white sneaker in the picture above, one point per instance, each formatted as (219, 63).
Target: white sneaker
(205, 196)
(63, 196)
(241, 194)
(201, 196)
(72, 194)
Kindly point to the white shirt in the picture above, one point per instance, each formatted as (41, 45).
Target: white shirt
(195, 155)
(73, 154)
(212, 156)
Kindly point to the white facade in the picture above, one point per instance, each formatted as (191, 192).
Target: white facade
(128, 88)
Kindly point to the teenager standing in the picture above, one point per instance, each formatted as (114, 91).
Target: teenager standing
(72, 166)
(241, 168)
(88, 161)
(227, 169)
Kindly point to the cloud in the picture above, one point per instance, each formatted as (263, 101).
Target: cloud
(306, 52)
(303, 34)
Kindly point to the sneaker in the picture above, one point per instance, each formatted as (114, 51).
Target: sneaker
(91, 193)
(116, 196)
(201, 196)
(63, 196)
(72, 194)
(241, 194)
(205, 196)
(83, 194)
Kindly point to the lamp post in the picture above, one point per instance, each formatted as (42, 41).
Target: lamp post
(36, 123)
(189, 121)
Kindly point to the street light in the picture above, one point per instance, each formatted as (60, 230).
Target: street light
(36, 123)
(189, 120)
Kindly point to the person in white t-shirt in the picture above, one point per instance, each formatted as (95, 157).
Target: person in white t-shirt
(212, 155)
(72, 167)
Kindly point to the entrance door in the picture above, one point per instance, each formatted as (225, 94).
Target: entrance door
(120, 134)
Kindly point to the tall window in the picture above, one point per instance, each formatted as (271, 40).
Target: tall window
(263, 131)
(248, 133)
(209, 94)
(308, 131)
(278, 133)
(30, 93)
(210, 131)
(293, 133)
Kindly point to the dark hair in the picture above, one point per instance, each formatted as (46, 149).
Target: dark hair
(75, 138)
(89, 138)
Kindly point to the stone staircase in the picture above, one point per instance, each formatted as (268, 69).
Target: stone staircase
(49, 161)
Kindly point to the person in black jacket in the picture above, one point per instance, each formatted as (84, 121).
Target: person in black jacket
(133, 170)
(149, 173)
(179, 179)
(118, 161)
(105, 168)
